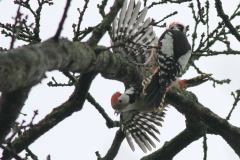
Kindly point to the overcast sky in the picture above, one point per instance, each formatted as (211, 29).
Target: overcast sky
(85, 132)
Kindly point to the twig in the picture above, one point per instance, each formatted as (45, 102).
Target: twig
(170, 15)
(210, 78)
(166, 1)
(205, 146)
(98, 155)
(102, 7)
(77, 33)
(60, 27)
(49, 157)
(236, 100)
(109, 122)
(201, 12)
(197, 21)
(56, 84)
(215, 53)
(15, 30)
(15, 130)
(35, 114)
(71, 77)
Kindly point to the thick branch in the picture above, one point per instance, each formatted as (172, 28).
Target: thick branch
(171, 148)
(11, 104)
(74, 104)
(112, 152)
(226, 20)
(185, 103)
(193, 131)
(105, 24)
(26, 66)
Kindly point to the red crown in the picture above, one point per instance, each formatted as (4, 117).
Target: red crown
(115, 97)
(174, 23)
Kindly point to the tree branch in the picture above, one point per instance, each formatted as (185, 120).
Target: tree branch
(11, 104)
(171, 148)
(60, 27)
(187, 103)
(26, 66)
(105, 24)
(112, 152)
(109, 122)
(226, 20)
(74, 104)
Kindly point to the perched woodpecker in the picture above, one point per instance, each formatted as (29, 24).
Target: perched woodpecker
(172, 56)
(138, 120)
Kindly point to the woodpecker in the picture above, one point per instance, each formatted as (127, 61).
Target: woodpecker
(172, 56)
(138, 120)
(134, 40)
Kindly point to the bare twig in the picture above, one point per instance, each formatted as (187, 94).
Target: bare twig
(170, 15)
(109, 122)
(60, 27)
(201, 12)
(77, 33)
(210, 78)
(205, 146)
(236, 100)
(102, 7)
(15, 28)
(166, 1)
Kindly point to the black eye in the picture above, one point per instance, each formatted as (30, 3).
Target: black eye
(120, 100)
(180, 27)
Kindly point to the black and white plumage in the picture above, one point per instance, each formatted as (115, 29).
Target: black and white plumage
(134, 40)
(132, 37)
(172, 54)
(137, 121)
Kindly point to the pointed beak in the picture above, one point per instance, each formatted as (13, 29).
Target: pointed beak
(116, 112)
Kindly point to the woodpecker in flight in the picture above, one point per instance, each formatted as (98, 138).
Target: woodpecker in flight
(138, 120)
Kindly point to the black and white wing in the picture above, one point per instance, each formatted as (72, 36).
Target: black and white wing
(141, 127)
(132, 37)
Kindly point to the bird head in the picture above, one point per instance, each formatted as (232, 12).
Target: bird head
(119, 102)
(177, 26)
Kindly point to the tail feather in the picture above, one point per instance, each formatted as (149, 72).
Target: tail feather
(155, 92)
(197, 80)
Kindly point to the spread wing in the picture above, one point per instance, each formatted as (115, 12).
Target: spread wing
(132, 37)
